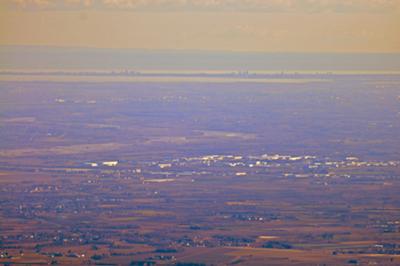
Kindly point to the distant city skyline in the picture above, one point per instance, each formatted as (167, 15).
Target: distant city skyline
(369, 26)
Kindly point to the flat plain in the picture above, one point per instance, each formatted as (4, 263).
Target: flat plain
(201, 173)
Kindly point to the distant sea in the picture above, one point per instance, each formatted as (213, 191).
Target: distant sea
(63, 58)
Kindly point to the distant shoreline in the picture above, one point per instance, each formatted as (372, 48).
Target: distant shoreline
(185, 76)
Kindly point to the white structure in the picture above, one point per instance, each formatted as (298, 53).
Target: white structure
(241, 174)
(164, 165)
(110, 163)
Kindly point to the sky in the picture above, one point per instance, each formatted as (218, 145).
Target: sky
(338, 26)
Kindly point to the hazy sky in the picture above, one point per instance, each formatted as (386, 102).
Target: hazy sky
(234, 25)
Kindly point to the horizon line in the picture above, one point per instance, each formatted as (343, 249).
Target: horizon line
(199, 50)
